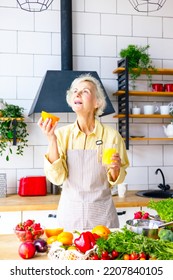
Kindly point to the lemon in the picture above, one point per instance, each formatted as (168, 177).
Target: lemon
(51, 239)
(101, 230)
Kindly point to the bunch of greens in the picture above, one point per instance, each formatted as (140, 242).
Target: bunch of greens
(12, 126)
(128, 242)
(138, 61)
(163, 207)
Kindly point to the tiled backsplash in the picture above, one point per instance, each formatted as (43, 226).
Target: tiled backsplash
(30, 45)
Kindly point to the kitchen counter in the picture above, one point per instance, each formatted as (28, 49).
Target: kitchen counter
(9, 245)
(50, 202)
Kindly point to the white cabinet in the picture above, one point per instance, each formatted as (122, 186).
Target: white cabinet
(129, 213)
(39, 216)
(8, 221)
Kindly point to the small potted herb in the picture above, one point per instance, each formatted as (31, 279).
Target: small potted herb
(138, 61)
(13, 130)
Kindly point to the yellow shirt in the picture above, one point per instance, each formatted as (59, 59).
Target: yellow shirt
(71, 137)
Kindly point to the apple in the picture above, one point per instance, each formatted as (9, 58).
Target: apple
(27, 250)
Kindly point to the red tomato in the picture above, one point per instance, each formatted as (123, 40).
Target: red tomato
(126, 257)
(95, 257)
(27, 250)
(142, 255)
(114, 254)
(104, 254)
(134, 256)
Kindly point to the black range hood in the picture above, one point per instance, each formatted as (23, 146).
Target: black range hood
(51, 96)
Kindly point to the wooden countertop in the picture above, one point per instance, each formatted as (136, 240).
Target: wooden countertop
(9, 245)
(50, 202)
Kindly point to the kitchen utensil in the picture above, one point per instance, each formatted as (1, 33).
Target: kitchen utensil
(136, 111)
(168, 87)
(157, 87)
(150, 109)
(149, 228)
(168, 130)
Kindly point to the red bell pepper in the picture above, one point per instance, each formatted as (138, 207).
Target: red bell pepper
(85, 241)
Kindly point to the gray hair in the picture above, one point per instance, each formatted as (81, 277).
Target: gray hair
(100, 96)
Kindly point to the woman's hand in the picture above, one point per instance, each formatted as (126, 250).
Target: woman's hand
(115, 166)
(47, 128)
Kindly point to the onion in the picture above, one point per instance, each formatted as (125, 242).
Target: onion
(40, 245)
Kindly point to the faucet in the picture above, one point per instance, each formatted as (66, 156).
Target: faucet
(163, 187)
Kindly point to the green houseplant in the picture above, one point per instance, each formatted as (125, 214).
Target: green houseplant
(138, 61)
(13, 130)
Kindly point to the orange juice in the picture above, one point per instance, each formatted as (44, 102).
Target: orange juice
(107, 155)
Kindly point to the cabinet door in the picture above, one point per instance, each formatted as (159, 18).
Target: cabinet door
(40, 216)
(129, 214)
(8, 221)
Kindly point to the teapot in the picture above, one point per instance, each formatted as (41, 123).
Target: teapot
(169, 130)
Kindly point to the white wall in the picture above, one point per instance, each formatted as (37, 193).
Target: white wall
(30, 45)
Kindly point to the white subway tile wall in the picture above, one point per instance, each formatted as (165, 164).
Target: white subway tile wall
(31, 45)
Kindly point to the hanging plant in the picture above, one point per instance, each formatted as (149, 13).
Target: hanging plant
(13, 130)
(138, 61)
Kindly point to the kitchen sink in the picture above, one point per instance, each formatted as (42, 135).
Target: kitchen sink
(156, 193)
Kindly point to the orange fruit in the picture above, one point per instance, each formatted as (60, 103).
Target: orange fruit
(53, 231)
(65, 237)
(101, 230)
(51, 239)
(46, 115)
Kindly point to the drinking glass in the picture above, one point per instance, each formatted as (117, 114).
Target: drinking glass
(108, 152)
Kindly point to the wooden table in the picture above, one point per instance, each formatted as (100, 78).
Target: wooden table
(50, 202)
(9, 245)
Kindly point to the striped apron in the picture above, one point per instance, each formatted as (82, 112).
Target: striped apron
(86, 199)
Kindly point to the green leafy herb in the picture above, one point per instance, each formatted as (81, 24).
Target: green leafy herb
(163, 207)
(127, 242)
(10, 128)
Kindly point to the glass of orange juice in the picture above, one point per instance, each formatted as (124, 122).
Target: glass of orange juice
(108, 152)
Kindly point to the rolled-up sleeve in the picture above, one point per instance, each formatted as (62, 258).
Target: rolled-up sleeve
(55, 172)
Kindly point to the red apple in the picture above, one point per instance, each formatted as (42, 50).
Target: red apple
(26, 250)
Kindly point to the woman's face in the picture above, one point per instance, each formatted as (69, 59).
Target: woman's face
(83, 98)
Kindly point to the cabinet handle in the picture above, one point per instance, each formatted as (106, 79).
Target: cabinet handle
(121, 213)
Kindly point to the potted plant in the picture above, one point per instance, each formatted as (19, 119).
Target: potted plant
(13, 130)
(138, 61)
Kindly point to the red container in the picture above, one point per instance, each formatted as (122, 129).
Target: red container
(169, 87)
(157, 87)
(32, 186)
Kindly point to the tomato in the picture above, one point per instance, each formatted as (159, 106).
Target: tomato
(142, 255)
(134, 256)
(95, 257)
(126, 257)
(114, 254)
(104, 254)
(27, 250)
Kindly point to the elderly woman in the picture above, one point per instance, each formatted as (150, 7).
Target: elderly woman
(74, 160)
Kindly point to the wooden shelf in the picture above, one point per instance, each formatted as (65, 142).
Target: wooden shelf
(142, 116)
(6, 119)
(158, 71)
(144, 93)
(149, 139)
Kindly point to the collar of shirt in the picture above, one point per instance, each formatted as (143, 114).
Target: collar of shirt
(97, 129)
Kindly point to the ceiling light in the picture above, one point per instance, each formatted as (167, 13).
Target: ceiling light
(34, 5)
(147, 5)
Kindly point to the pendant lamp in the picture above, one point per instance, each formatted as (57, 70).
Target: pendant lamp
(147, 5)
(34, 5)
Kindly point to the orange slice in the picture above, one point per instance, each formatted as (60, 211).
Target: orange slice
(53, 231)
(46, 115)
